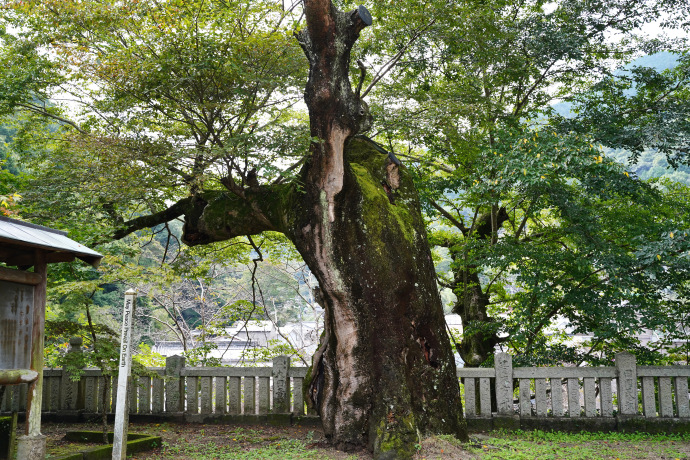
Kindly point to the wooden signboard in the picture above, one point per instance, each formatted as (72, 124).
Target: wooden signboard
(16, 321)
(124, 379)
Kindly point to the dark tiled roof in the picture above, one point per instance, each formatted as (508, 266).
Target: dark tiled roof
(17, 238)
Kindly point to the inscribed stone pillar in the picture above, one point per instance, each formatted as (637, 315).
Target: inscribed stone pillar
(281, 385)
(626, 367)
(174, 387)
(504, 383)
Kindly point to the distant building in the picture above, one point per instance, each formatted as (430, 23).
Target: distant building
(243, 337)
(254, 333)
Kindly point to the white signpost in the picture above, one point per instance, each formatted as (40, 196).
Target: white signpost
(125, 370)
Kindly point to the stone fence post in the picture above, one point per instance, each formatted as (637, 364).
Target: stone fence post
(626, 372)
(72, 397)
(174, 384)
(281, 384)
(503, 363)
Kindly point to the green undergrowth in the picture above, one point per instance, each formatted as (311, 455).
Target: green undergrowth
(278, 449)
(537, 444)
(248, 444)
(245, 444)
(274, 450)
(261, 442)
(69, 448)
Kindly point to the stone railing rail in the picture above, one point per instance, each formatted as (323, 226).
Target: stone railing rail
(174, 391)
(602, 397)
(503, 396)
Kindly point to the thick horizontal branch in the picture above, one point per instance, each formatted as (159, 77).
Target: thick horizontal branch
(221, 215)
(151, 220)
(42, 111)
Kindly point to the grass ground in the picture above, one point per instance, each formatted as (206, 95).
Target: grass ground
(232, 442)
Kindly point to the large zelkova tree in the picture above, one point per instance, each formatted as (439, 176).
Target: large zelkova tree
(187, 114)
(538, 222)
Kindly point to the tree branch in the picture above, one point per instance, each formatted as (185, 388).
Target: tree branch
(151, 220)
(220, 215)
(388, 66)
(448, 216)
(45, 113)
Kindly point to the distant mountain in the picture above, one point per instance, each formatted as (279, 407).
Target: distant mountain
(659, 62)
(651, 163)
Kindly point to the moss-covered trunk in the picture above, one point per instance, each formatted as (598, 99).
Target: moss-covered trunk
(384, 373)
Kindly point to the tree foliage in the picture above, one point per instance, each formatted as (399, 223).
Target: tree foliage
(180, 95)
(537, 220)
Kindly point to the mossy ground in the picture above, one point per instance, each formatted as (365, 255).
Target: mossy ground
(221, 442)
(528, 445)
(58, 447)
(225, 442)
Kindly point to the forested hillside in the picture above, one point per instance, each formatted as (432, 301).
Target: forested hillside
(650, 163)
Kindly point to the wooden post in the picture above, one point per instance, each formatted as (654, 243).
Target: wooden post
(124, 375)
(32, 446)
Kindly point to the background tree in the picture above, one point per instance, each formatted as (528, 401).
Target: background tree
(502, 175)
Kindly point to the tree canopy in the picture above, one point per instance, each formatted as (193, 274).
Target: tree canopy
(510, 129)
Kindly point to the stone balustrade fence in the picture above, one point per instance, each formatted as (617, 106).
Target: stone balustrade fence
(625, 396)
(174, 391)
(622, 397)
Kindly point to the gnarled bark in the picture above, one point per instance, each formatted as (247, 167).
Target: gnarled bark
(385, 372)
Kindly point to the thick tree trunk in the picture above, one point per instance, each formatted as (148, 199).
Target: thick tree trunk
(385, 372)
(479, 329)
